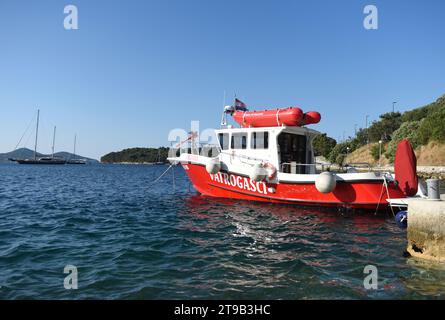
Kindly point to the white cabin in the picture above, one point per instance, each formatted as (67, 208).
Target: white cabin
(289, 149)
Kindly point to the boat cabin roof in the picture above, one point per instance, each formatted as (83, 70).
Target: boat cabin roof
(274, 130)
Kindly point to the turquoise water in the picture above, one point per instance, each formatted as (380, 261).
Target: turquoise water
(132, 240)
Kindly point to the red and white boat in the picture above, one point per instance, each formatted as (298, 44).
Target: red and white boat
(270, 158)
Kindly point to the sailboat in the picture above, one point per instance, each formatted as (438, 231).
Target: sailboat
(42, 160)
(159, 162)
(76, 161)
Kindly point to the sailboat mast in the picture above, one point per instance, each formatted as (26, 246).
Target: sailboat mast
(37, 133)
(75, 138)
(54, 139)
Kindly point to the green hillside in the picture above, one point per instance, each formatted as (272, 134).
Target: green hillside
(137, 155)
(421, 126)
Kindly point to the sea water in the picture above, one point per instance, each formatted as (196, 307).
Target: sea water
(128, 238)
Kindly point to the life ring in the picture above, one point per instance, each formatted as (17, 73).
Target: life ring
(271, 170)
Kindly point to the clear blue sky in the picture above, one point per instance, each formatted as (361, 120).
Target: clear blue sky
(136, 69)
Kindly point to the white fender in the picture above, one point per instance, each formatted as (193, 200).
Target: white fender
(325, 182)
(213, 166)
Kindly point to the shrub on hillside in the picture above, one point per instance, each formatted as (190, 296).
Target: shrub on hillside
(385, 127)
(375, 151)
(408, 130)
(421, 113)
(432, 128)
(361, 137)
(339, 152)
(323, 145)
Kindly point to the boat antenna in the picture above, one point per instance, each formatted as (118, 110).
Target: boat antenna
(224, 114)
(37, 133)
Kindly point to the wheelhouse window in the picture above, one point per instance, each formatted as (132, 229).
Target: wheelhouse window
(223, 140)
(292, 153)
(260, 140)
(239, 141)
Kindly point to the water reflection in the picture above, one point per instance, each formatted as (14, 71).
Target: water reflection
(264, 245)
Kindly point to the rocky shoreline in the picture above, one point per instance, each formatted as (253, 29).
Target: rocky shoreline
(426, 172)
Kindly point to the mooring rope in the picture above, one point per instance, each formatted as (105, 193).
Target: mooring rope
(156, 180)
(387, 192)
(384, 185)
(380, 197)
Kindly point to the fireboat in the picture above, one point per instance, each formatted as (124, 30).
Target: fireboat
(269, 157)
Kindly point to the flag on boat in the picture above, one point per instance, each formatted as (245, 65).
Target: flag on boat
(239, 105)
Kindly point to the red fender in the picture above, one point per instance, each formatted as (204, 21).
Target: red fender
(405, 164)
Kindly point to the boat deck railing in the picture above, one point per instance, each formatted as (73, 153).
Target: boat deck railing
(358, 165)
(320, 167)
(286, 167)
(213, 150)
(207, 150)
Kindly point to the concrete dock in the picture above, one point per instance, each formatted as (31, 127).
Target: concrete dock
(426, 229)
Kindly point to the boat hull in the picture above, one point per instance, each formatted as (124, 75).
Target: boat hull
(30, 161)
(364, 194)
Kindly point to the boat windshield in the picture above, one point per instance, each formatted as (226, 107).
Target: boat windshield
(293, 153)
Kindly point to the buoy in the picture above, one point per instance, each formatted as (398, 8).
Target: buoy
(402, 219)
(213, 166)
(325, 182)
(258, 173)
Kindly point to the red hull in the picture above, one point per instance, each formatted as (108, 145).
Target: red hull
(362, 194)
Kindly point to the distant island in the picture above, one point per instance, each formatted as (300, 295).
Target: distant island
(25, 153)
(137, 156)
